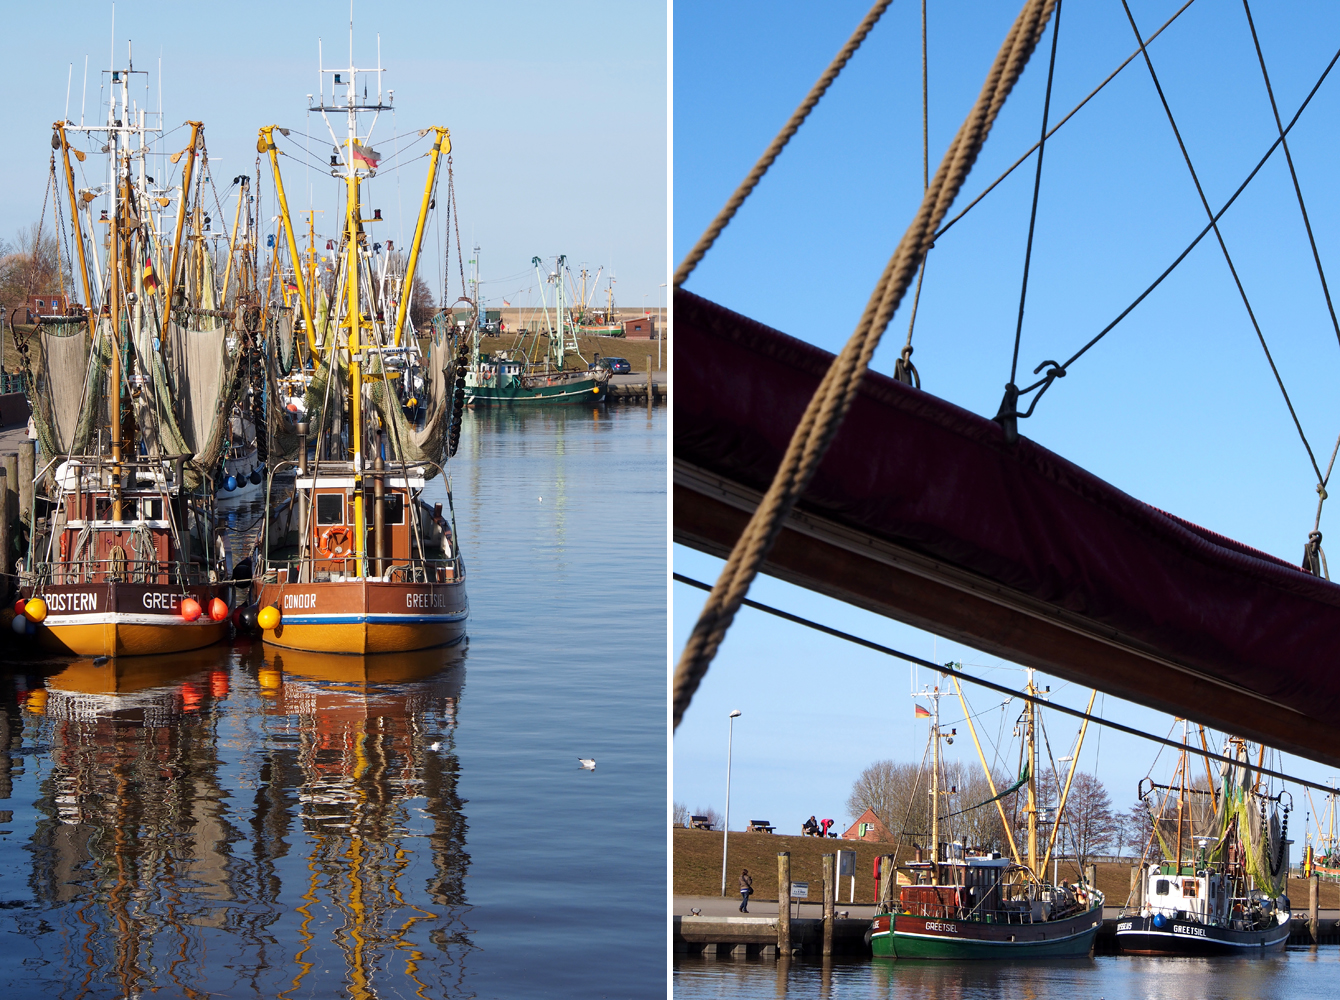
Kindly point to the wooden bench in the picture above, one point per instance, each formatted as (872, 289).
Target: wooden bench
(700, 823)
(759, 826)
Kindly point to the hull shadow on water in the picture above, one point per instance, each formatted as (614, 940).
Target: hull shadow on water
(236, 821)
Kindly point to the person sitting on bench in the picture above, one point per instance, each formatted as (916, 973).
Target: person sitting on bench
(810, 829)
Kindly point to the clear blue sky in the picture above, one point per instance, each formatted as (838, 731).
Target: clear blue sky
(557, 115)
(1177, 406)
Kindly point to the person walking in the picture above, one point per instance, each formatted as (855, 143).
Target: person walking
(746, 889)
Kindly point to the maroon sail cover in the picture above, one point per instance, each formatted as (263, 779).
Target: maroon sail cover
(934, 478)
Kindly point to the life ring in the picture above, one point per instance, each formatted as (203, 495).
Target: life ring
(64, 547)
(334, 541)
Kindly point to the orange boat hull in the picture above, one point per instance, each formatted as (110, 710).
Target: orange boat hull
(365, 616)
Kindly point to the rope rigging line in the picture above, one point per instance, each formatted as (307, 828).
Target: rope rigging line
(1037, 187)
(903, 369)
(1316, 257)
(778, 143)
(1056, 371)
(950, 671)
(835, 394)
(1055, 128)
(1222, 245)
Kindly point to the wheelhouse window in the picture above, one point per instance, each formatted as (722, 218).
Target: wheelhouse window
(395, 508)
(1161, 887)
(330, 508)
(1190, 888)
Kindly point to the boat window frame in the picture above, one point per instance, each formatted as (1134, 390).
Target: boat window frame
(338, 504)
(1162, 887)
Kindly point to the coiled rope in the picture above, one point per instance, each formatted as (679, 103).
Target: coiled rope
(833, 398)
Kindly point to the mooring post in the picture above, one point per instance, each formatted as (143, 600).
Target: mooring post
(1313, 882)
(830, 887)
(1091, 875)
(650, 384)
(5, 582)
(783, 902)
(1134, 895)
(27, 470)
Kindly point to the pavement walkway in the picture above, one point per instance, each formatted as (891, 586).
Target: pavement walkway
(716, 906)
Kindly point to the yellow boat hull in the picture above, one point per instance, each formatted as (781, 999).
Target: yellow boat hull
(365, 616)
(363, 637)
(113, 638)
(118, 618)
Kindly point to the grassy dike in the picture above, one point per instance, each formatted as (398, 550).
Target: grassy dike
(697, 868)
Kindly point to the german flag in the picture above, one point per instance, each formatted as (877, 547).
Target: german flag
(921, 713)
(151, 281)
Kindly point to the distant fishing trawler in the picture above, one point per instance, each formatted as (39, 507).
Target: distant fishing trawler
(984, 906)
(359, 562)
(514, 377)
(128, 395)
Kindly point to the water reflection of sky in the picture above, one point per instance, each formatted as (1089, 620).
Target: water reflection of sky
(243, 822)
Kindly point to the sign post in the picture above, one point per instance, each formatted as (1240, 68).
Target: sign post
(847, 866)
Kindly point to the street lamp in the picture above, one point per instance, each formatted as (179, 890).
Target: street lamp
(660, 318)
(725, 825)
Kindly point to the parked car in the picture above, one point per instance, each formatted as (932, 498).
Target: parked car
(619, 366)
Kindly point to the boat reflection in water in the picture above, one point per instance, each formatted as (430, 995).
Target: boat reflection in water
(274, 823)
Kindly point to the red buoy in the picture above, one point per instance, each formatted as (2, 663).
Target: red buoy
(18, 606)
(218, 610)
(190, 608)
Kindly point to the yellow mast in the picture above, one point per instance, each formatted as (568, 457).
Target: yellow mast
(355, 324)
(114, 328)
(1065, 794)
(181, 206)
(1030, 715)
(443, 137)
(266, 145)
(232, 241)
(990, 781)
(74, 210)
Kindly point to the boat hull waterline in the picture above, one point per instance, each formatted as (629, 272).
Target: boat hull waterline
(916, 937)
(123, 619)
(1140, 936)
(365, 616)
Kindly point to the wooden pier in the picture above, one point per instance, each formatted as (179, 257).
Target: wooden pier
(638, 388)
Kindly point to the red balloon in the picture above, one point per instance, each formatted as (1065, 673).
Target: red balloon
(218, 610)
(190, 609)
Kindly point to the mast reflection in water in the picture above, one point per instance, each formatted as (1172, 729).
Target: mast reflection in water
(281, 825)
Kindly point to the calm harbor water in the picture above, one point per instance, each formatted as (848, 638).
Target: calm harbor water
(239, 822)
(1298, 973)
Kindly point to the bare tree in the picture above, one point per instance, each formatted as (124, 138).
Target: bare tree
(32, 265)
(900, 795)
(896, 792)
(713, 817)
(1091, 826)
(680, 816)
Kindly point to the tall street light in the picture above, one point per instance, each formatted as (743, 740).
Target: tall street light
(725, 825)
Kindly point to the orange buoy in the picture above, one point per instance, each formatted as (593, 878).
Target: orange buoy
(218, 609)
(267, 618)
(190, 609)
(35, 610)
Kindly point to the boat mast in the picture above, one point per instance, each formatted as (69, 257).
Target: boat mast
(1181, 798)
(181, 205)
(935, 788)
(74, 209)
(353, 226)
(559, 351)
(441, 144)
(267, 145)
(1032, 808)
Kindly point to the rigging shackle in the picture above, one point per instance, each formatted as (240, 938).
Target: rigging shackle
(903, 369)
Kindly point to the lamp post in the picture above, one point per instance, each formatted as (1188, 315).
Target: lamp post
(725, 824)
(660, 318)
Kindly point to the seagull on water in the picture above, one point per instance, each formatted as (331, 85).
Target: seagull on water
(588, 763)
(435, 746)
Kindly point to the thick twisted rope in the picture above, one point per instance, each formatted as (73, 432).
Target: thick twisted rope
(838, 389)
(783, 137)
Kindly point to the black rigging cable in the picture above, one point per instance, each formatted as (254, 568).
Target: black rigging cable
(1037, 187)
(1045, 382)
(949, 671)
(1220, 238)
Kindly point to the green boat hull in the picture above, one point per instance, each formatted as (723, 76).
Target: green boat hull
(913, 937)
(577, 392)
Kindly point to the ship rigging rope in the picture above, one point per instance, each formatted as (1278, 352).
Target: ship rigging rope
(1037, 187)
(1047, 379)
(1200, 191)
(779, 143)
(903, 369)
(1055, 128)
(1311, 239)
(826, 410)
(950, 671)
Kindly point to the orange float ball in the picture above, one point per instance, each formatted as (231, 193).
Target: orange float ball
(218, 610)
(268, 617)
(190, 609)
(35, 610)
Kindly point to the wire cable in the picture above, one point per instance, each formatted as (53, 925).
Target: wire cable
(949, 671)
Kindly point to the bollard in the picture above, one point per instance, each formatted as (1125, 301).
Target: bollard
(1312, 904)
(1091, 875)
(27, 469)
(830, 886)
(783, 902)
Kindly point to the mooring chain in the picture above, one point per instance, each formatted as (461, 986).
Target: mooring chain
(835, 393)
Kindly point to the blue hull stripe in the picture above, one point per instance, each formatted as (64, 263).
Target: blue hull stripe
(373, 619)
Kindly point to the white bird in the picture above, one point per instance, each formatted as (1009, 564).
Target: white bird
(589, 763)
(541, 499)
(435, 746)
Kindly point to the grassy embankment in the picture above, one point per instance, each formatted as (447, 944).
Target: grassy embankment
(697, 868)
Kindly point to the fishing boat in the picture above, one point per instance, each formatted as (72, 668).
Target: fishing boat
(515, 377)
(1220, 886)
(128, 394)
(960, 904)
(359, 562)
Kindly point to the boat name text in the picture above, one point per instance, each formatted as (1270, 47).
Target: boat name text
(932, 925)
(425, 600)
(1123, 927)
(71, 602)
(1193, 931)
(299, 601)
(161, 602)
